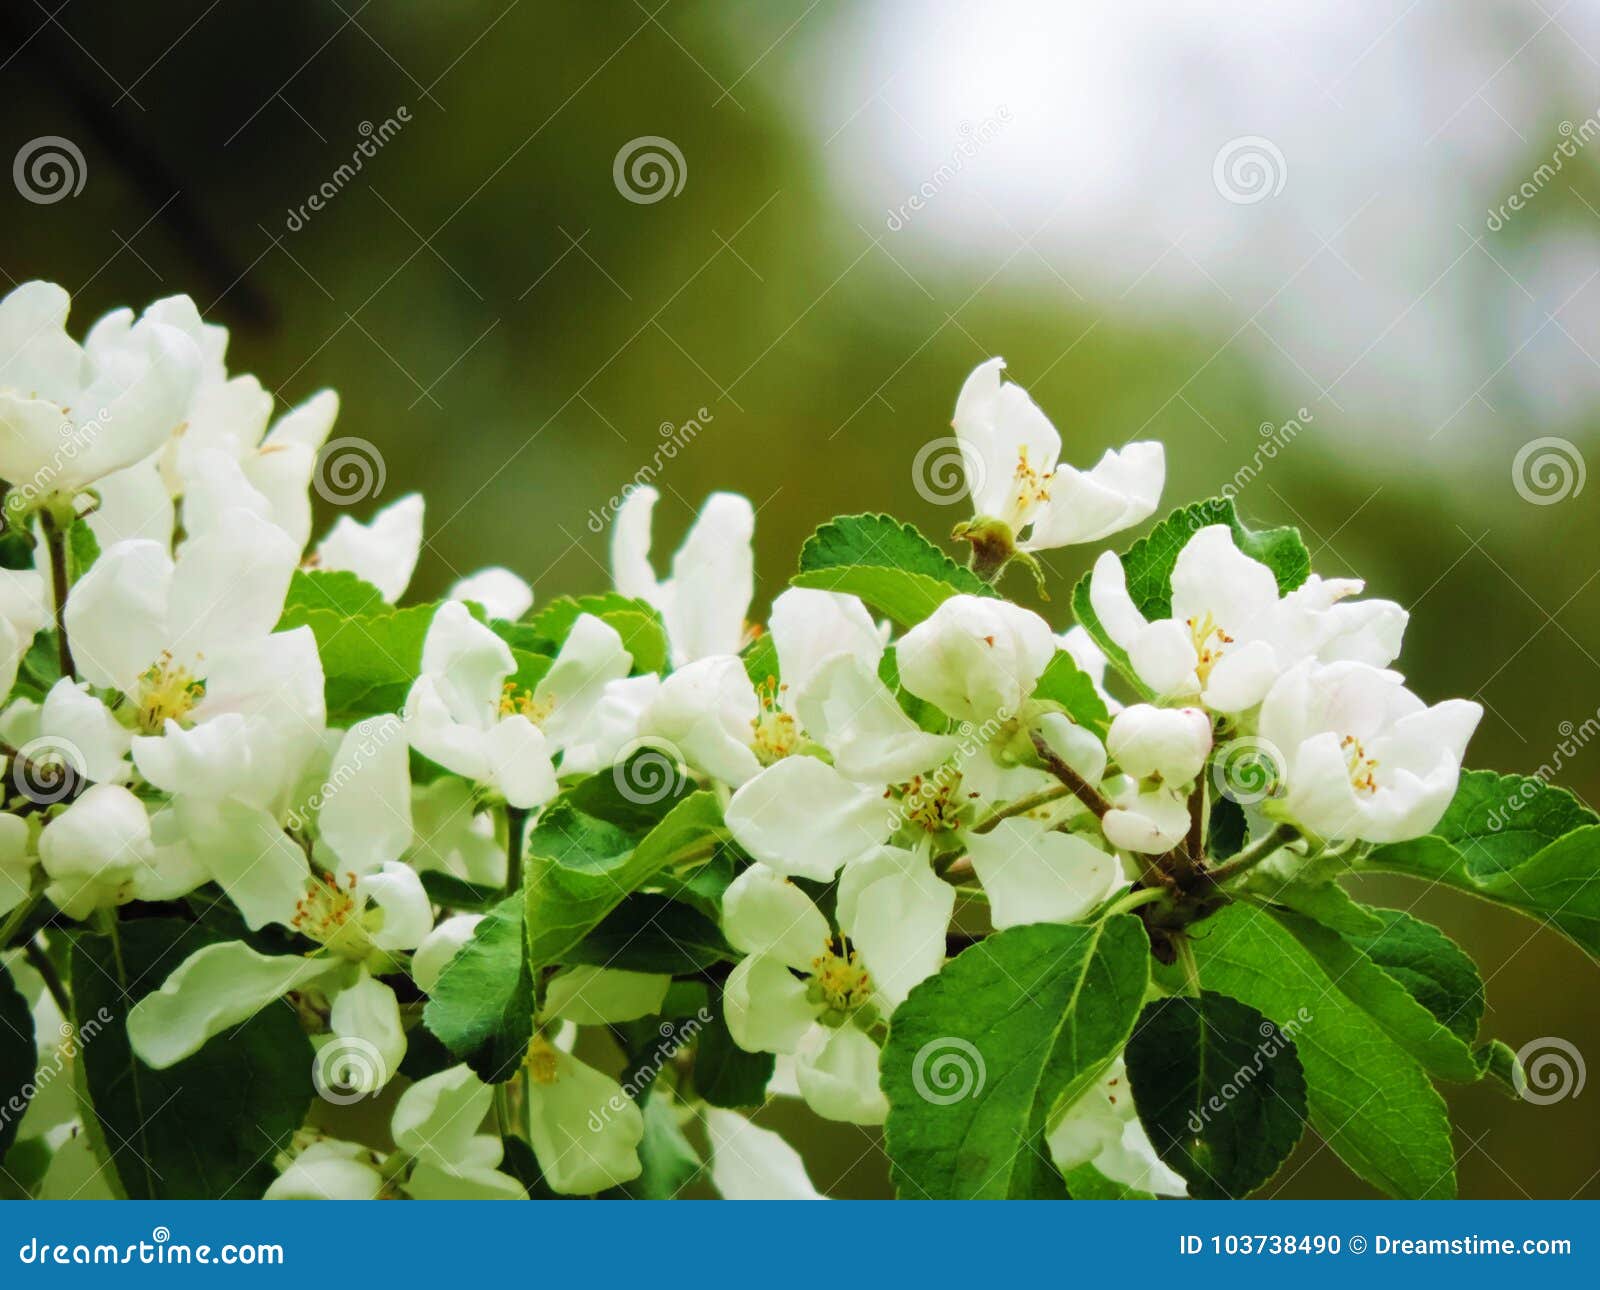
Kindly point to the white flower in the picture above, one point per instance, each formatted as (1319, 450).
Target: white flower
(16, 862)
(439, 1152)
(460, 715)
(705, 600)
(892, 914)
(976, 658)
(365, 812)
(1147, 821)
(1034, 875)
(1170, 744)
(95, 851)
(1230, 634)
(453, 834)
(1363, 756)
(23, 611)
(1011, 453)
(1102, 1129)
(752, 1163)
(70, 415)
(501, 593)
(219, 706)
(383, 552)
(358, 926)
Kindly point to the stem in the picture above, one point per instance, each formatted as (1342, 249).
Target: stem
(40, 962)
(1249, 857)
(1021, 806)
(18, 916)
(516, 828)
(1079, 787)
(55, 539)
(1131, 900)
(1191, 969)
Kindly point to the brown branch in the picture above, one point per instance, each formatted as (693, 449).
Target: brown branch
(1079, 787)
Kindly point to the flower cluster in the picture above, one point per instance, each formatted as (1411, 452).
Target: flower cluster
(491, 856)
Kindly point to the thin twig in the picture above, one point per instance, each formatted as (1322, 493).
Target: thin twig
(1076, 784)
(55, 539)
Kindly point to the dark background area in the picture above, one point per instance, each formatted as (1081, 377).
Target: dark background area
(514, 335)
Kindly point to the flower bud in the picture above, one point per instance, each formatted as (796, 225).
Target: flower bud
(93, 850)
(1166, 743)
(976, 658)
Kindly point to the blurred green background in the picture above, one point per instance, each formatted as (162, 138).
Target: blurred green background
(514, 333)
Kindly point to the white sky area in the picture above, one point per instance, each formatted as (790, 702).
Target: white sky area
(1369, 279)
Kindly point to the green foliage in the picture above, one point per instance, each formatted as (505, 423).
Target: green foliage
(579, 868)
(1365, 1093)
(724, 1074)
(887, 563)
(651, 933)
(482, 1005)
(981, 1055)
(1515, 841)
(208, 1127)
(336, 590)
(639, 625)
(1064, 682)
(1219, 1090)
(369, 660)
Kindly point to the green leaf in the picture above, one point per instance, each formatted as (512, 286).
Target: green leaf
(1502, 820)
(636, 793)
(724, 1074)
(209, 1127)
(1064, 682)
(1555, 884)
(457, 893)
(1085, 1182)
(981, 1055)
(18, 1058)
(887, 563)
(579, 868)
(1148, 563)
(1324, 902)
(670, 1162)
(761, 660)
(368, 660)
(482, 1005)
(637, 622)
(337, 590)
(83, 549)
(1365, 1094)
(1435, 971)
(1219, 1090)
(649, 933)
